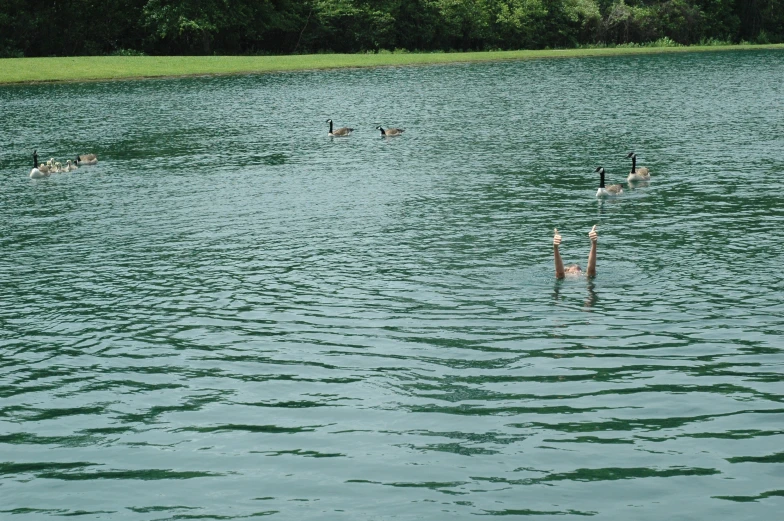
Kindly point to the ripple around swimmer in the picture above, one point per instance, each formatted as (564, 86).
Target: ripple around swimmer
(222, 312)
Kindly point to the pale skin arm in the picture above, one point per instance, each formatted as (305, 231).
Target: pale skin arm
(559, 269)
(592, 255)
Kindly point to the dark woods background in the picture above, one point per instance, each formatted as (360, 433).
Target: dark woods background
(173, 27)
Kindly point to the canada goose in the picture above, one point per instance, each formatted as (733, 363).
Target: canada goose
(637, 174)
(86, 159)
(390, 131)
(608, 191)
(69, 167)
(39, 170)
(338, 132)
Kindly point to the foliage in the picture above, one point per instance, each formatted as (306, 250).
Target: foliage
(181, 27)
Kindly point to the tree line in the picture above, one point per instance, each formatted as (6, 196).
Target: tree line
(180, 27)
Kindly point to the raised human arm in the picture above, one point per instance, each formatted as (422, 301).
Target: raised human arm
(559, 269)
(592, 255)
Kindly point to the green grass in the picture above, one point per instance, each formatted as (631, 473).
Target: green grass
(88, 68)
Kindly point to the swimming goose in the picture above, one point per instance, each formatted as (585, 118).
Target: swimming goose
(390, 131)
(338, 132)
(637, 174)
(39, 170)
(608, 191)
(86, 159)
(69, 167)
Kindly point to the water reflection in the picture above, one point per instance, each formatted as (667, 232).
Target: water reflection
(638, 184)
(591, 297)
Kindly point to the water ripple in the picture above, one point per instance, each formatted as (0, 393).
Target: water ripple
(234, 316)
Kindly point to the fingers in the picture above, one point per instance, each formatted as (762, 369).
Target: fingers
(592, 234)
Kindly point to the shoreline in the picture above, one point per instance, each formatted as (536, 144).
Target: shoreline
(34, 71)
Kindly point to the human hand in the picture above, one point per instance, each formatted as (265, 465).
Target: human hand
(556, 238)
(592, 234)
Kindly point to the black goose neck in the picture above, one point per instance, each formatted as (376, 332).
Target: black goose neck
(601, 178)
(634, 163)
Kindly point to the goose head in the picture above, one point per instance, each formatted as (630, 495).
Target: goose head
(631, 155)
(600, 171)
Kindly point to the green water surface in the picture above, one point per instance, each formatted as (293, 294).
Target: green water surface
(234, 316)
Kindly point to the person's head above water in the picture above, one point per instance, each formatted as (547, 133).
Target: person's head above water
(574, 269)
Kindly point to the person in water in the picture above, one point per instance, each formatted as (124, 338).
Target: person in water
(574, 269)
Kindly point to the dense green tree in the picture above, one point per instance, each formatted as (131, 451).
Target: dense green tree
(351, 25)
(719, 20)
(417, 25)
(761, 20)
(87, 27)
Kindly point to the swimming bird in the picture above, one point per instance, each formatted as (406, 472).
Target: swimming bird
(608, 191)
(637, 174)
(51, 166)
(86, 159)
(390, 131)
(338, 132)
(69, 167)
(39, 170)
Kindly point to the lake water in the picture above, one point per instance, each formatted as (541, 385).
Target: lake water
(234, 316)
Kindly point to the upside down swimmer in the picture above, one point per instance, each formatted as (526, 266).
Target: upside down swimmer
(574, 269)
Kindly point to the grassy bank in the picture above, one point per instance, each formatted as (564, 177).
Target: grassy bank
(26, 70)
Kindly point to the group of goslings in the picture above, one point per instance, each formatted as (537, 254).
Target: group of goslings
(55, 167)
